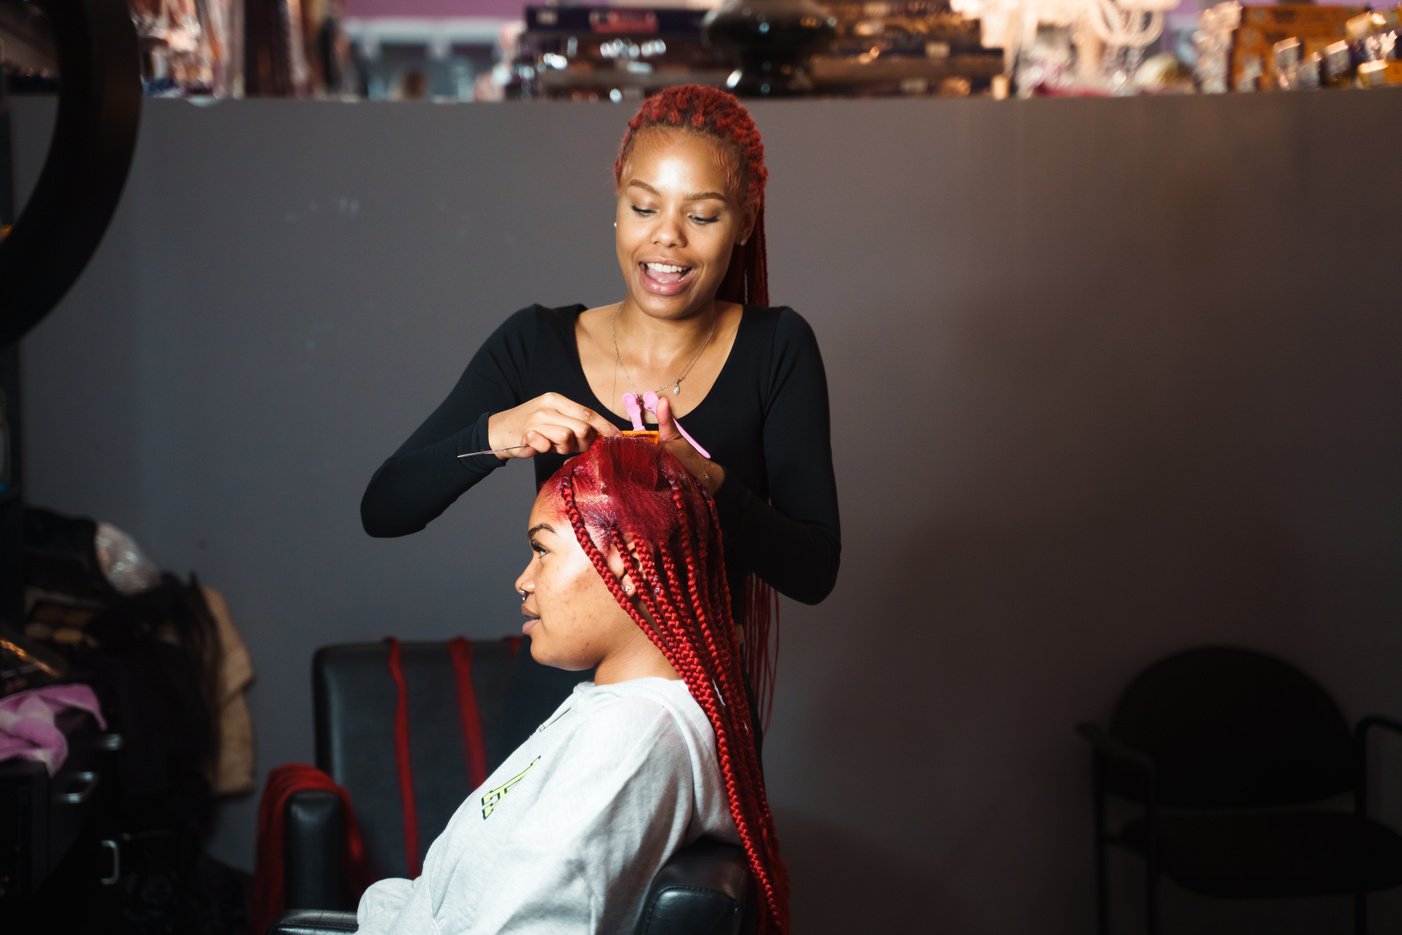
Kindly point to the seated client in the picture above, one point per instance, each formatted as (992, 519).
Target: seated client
(626, 577)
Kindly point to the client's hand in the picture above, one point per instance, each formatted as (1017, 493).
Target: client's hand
(547, 423)
(669, 437)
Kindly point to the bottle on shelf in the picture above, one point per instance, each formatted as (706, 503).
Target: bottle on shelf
(1372, 74)
(1249, 73)
(1287, 55)
(1339, 67)
(1310, 76)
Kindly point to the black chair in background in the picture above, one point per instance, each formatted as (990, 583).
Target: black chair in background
(1250, 781)
(704, 889)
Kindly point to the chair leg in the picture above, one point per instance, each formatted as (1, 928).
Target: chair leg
(1102, 893)
(1151, 900)
(1102, 884)
(1360, 913)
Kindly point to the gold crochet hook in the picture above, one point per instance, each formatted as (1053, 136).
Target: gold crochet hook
(491, 451)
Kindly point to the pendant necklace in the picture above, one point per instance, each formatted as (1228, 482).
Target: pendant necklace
(676, 385)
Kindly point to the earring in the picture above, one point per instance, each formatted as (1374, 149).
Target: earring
(628, 588)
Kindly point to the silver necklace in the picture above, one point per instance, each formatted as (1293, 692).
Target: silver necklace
(675, 385)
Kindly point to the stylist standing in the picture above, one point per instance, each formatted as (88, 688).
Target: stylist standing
(735, 388)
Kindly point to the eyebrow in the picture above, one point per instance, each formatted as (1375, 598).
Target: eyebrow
(694, 196)
(530, 533)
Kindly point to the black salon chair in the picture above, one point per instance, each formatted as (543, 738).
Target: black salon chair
(704, 889)
(1250, 782)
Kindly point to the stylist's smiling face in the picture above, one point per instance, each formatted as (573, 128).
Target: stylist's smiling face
(572, 619)
(678, 221)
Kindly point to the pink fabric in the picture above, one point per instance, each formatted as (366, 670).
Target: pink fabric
(27, 727)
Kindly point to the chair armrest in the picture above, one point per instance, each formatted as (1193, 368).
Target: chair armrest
(1377, 720)
(1360, 740)
(1110, 752)
(313, 922)
(704, 889)
(1116, 750)
(314, 852)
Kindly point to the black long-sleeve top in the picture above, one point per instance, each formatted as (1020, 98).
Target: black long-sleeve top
(765, 421)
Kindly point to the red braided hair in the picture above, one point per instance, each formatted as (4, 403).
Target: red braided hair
(721, 117)
(636, 497)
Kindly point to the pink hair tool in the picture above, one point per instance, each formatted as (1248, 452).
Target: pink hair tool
(635, 412)
(634, 407)
(650, 401)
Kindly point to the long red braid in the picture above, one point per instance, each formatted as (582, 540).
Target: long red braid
(634, 496)
(720, 116)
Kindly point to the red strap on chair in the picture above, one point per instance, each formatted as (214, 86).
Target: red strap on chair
(268, 872)
(474, 747)
(401, 756)
(474, 744)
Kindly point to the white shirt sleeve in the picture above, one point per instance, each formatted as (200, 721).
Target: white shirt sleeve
(382, 905)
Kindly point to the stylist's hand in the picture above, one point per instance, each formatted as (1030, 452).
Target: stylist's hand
(707, 472)
(547, 423)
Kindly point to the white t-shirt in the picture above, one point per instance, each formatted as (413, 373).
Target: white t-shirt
(566, 835)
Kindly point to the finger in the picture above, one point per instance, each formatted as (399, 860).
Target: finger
(539, 444)
(587, 426)
(678, 448)
(567, 439)
(698, 467)
(666, 425)
(581, 433)
(570, 409)
(598, 425)
(603, 426)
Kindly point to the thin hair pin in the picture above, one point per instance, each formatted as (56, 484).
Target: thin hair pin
(492, 451)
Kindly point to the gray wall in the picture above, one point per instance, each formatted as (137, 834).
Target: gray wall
(1109, 378)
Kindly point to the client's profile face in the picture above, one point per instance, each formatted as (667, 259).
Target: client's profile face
(573, 621)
